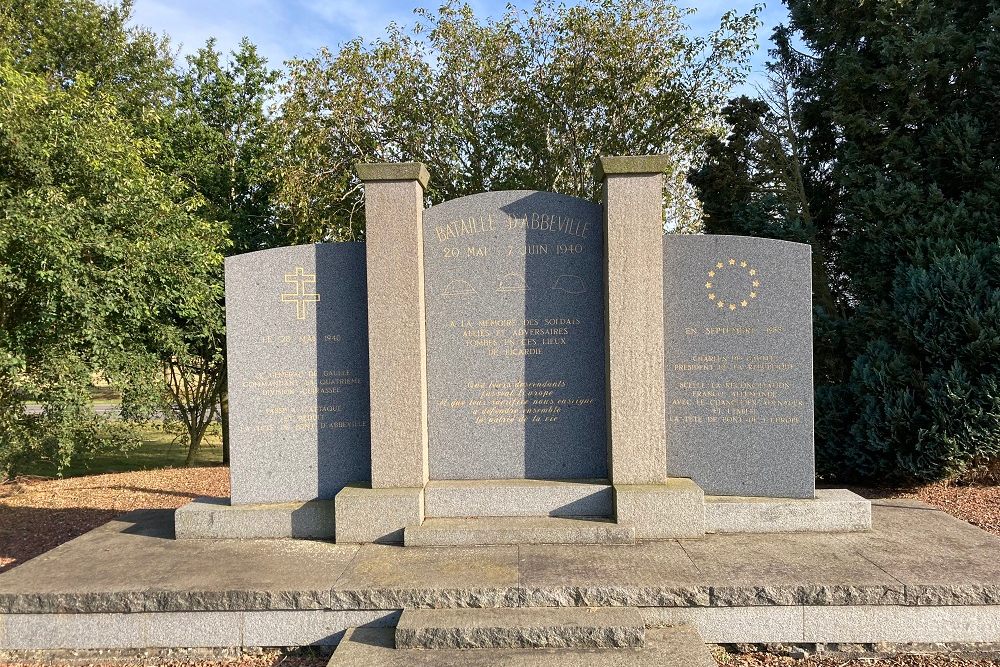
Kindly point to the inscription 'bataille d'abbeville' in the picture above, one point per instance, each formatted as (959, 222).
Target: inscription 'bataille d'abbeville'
(515, 337)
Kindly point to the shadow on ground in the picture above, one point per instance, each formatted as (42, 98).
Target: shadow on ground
(26, 532)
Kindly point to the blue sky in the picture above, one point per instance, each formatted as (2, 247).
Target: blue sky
(286, 28)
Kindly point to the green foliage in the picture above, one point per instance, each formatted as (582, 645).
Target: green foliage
(219, 142)
(157, 448)
(62, 39)
(526, 101)
(99, 250)
(897, 119)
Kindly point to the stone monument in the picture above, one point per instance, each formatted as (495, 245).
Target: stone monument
(521, 367)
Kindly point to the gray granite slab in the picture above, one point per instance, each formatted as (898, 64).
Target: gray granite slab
(913, 556)
(297, 341)
(216, 518)
(518, 497)
(831, 511)
(515, 337)
(738, 358)
(134, 564)
(390, 577)
(790, 569)
(666, 647)
(649, 574)
(517, 530)
(940, 559)
(537, 627)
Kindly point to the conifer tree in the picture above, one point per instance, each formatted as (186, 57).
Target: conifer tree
(896, 106)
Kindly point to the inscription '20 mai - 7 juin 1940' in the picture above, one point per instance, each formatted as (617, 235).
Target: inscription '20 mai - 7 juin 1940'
(515, 337)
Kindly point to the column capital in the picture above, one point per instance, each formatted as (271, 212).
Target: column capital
(393, 171)
(613, 165)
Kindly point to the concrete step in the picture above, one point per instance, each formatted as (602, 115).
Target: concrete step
(483, 531)
(524, 627)
(518, 497)
(678, 646)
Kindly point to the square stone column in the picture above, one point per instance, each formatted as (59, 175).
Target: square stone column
(637, 447)
(394, 204)
(633, 233)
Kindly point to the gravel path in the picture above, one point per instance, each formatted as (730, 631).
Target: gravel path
(761, 659)
(37, 515)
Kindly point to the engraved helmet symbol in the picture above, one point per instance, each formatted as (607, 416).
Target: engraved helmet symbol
(512, 282)
(457, 287)
(570, 283)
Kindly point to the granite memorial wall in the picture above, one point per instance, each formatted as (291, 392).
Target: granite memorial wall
(515, 355)
(515, 337)
(737, 332)
(297, 348)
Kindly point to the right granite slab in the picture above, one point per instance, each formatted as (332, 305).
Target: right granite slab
(738, 364)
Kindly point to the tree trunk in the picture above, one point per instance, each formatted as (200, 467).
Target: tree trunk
(224, 419)
(196, 435)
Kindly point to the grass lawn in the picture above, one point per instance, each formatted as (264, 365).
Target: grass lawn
(158, 450)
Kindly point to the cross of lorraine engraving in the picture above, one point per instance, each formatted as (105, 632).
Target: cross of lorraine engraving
(301, 297)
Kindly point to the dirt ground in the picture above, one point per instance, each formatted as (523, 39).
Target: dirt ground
(37, 515)
(762, 659)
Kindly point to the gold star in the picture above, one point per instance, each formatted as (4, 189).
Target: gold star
(708, 285)
(743, 264)
(732, 306)
(753, 272)
(743, 303)
(756, 283)
(753, 295)
(732, 262)
(719, 265)
(711, 274)
(721, 304)
(711, 297)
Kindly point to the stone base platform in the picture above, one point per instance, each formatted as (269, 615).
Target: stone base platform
(216, 519)
(495, 512)
(668, 647)
(486, 531)
(918, 576)
(831, 511)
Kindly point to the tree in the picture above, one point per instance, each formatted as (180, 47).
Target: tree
(912, 91)
(528, 101)
(96, 246)
(218, 143)
(895, 106)
(60, 39)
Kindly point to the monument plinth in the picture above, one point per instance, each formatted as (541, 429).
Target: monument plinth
(521, 367)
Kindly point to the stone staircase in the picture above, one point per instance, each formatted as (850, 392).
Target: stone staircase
(486, 531)
(518, 511)
(523, 637)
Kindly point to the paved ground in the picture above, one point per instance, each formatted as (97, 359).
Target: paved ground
(310, 658)
(915, 555)
(38, 515)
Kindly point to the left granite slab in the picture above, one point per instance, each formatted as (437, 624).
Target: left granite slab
(134, 564)
(216, 518)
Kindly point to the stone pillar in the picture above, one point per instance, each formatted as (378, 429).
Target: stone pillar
(394, 203)
(637, 447)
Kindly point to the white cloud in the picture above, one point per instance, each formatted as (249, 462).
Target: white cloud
(359, 18)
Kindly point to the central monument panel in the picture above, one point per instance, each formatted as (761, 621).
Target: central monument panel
(515, 337)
